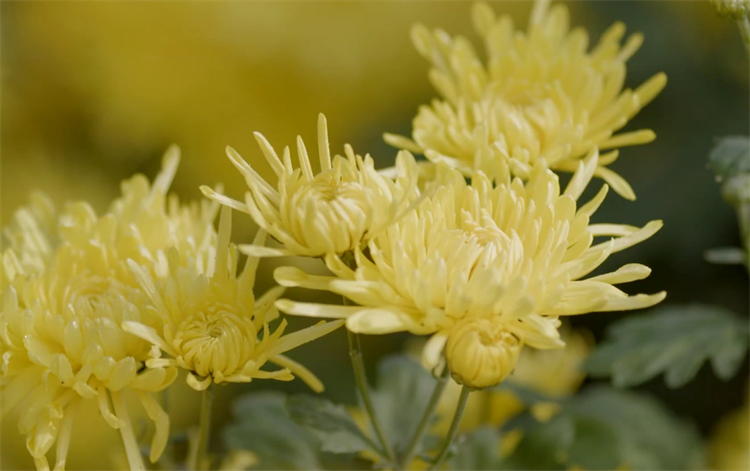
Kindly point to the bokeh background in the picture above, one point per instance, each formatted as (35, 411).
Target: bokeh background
(92, 92)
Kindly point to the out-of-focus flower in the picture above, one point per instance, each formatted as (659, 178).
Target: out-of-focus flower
(541, 95)
(729, 448)
(210, 321)
(60, 326)
(67, 322)
(238, 460)
(513, 255)
(234, 460)
(331, 212)
(28, 242)
(555, 373)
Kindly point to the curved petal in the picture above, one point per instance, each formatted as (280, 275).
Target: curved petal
(148, 334)
(161, 421)
(300, 371)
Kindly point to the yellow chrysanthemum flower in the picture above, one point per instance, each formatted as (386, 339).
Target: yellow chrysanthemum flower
(729, 448)
(312, 215)
(541, 95)
(511, 255)
(211, 322)
(60, 326)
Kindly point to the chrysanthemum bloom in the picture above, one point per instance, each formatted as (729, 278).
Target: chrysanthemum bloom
(332, 211)
(68, 323)
(512, 255)
(146, 222)
(541, 94)
(211, 322)
(60, 334)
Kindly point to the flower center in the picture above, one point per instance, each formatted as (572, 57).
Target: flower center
(215, 341)
(330, 215)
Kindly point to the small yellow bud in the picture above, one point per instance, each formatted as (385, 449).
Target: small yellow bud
(481, 353)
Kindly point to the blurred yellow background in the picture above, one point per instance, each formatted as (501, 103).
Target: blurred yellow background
(93, 92)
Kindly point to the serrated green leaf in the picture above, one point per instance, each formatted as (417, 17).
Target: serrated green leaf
(401, 397)
(330, 422)
(674, 340)
(263, 426)
(730, 156)
(479, 450)
(649, 436)
(725, 256)
(605, 428)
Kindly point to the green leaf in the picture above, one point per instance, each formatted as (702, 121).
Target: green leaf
(568, 439)
(726, 256)
(596, 444)
(674, 340)
(648, 436)
(263, 426)
(331, 423)
(479, 450)
(401, 397)
(545, 446)
(730, 157)
(605, 428)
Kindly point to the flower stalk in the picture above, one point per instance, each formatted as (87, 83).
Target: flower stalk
(744, 25)
(453, 430)
(207, 399)
(358, 364)
(743, 218)
(429, 412)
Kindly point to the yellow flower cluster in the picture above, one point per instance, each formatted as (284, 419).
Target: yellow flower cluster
(540, 95)
(484, 267)
(76, 286)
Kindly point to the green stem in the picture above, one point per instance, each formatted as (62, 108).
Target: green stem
(207, 399)
(453, 431)
(743, 216)
(416, 439)
(744, 26)
(358, 364)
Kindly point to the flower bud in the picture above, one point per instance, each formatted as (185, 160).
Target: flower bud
(481, 353)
